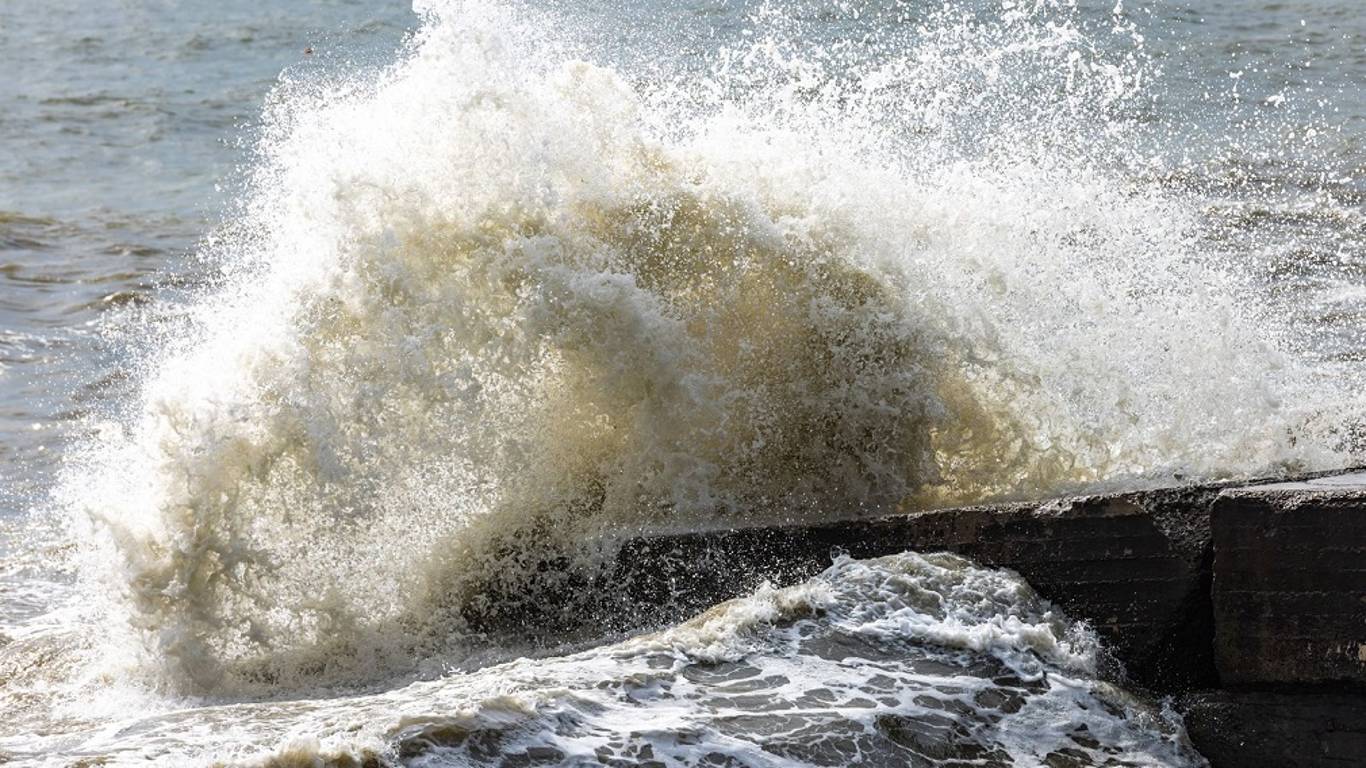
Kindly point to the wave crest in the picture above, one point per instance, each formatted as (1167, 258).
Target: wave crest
(497, 296)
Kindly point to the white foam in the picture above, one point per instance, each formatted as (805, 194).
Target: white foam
(872, 662)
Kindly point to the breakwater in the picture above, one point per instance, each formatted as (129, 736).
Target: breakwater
(1244, 603)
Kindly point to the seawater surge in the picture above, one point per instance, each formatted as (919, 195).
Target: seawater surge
(508, 293)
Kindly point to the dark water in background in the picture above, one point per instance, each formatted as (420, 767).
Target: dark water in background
(123, 126)
(128, 135)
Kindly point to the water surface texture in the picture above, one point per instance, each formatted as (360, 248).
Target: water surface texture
(320, 321)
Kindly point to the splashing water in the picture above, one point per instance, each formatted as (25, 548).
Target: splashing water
(509, 292)
(888, 661)
(484, 294)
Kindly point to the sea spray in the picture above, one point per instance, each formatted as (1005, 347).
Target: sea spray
(504, 295)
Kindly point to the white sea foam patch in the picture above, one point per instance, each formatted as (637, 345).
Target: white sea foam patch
(890, 661)
(499, 295)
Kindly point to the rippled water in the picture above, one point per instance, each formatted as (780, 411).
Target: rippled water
(123, 126)
(319, 319)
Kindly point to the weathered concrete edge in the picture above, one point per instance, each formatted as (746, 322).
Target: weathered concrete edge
(1235, 728)
(1138, 565)
(1309, 723)
(1135, 564)
(1289, 588)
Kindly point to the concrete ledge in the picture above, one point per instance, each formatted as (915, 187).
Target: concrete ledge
(1289, 586)
(1287, 730)
(1135, 565)
(1249, 600)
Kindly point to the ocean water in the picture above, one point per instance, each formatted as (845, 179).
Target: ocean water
(320, 319)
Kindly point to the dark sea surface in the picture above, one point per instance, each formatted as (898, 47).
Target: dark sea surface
(303, 304)
(124, 128)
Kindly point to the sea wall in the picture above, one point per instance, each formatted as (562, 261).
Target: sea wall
(1246, 603)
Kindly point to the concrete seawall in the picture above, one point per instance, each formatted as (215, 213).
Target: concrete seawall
(1246, 603)
(1135, 565)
